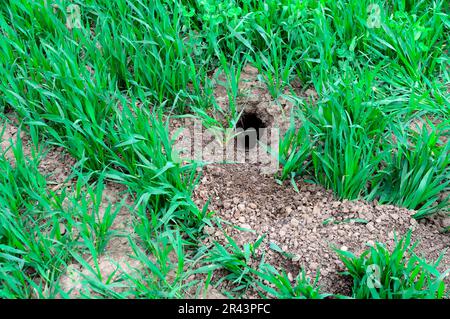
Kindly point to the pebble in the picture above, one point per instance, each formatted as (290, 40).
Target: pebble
(370, 227)
(242, 219)
(62, 229)
(208, 230)
(290, 277)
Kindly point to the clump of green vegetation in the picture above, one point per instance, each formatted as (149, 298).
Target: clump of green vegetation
(41, 230)
(380, 274)
(101, 79)
(346, 142)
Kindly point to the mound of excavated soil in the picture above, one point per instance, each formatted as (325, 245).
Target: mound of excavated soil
(308, 223)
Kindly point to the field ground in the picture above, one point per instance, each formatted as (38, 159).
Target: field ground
(100, 198)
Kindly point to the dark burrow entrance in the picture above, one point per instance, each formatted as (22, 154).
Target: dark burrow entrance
(251, 125)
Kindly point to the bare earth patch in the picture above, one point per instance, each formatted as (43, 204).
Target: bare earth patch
(56, 164)
(309, 223)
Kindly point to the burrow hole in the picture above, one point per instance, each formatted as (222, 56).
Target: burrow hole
(251, 124)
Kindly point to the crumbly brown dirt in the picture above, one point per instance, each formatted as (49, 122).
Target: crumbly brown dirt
(309, 223)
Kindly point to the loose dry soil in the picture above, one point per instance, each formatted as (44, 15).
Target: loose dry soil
(308, 223)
